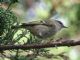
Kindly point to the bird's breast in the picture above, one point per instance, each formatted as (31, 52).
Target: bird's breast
(42, 31)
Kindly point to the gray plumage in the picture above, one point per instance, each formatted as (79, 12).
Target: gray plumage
(43, 31)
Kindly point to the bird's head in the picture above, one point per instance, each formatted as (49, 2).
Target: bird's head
(61, 24)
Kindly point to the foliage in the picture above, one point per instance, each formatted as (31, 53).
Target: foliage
(7, 19)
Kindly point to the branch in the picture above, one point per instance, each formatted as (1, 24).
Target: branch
(38, 46)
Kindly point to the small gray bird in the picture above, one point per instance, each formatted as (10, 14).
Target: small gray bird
(44, 29)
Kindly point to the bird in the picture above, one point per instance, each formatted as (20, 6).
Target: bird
(43, 29)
